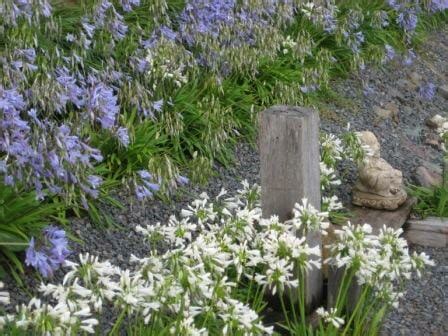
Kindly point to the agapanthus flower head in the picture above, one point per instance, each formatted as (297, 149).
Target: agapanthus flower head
(148, 185)
(331, 149)
(128, 5)
(420, 261)
(123, 136)
(308, 219)
(278, 276)
(355, 248)
(50, 253)
(4, 296)
(38, 259)
(390, 53)
(438, 5)
(409, 58)
(330, 317)
(427, 91)
(408, 19)
(102, 103)
(331, 203)
(328, 177)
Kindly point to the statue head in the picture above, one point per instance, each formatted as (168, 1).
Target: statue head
(369, 139)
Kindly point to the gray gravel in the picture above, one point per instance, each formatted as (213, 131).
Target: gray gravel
(425, 308)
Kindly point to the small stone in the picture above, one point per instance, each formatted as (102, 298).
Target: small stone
(415, 78)
(433, 140)
(405, 84)
(435, 122)
(393, 108)
(427, 178)
(394, 93)
(382, 113)
(443, 90)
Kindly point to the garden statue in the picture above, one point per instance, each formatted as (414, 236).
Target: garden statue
(379, 185)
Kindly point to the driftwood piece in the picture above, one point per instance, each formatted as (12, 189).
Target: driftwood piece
(432, 231)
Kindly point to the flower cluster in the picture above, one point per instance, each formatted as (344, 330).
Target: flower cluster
(194, 281)
(442, 129)
(333, 151)
(49, 254)
(220, 260)
(83, 85)
(330, 316)
(379, 262)
(13, 11)
(427, 91)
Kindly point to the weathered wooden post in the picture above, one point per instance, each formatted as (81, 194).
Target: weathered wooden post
(289, 150)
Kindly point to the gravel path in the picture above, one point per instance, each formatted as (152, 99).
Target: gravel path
(424, 310)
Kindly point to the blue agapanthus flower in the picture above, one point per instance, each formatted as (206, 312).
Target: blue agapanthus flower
(390, 53)
(148, 186)
(438, 5)
(427, 91)
(50, 253)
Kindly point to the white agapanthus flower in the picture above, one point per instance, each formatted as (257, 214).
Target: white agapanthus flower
(53, 319)
(243, 256)
(241, 319)
(246, 197)
(331, 149)
(201, 210)
(328, 177)
(150, 268)
(419, 261)
(278, 276)
(187, 327)
(368, 151)
(332, 203)
(355, 248)
(330, 316)
(198, 276)
(178, 232)
(4, 295)
(307, 218)
(96, 276)
(288, 44)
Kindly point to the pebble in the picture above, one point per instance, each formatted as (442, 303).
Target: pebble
(435, 122)
(443, 90)
(427, 178)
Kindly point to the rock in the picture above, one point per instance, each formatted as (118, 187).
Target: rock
(427, 178)
(389, 111)
(404, 83)
(433, 140)
(435, 122)
(393, 108)
(443, 90)
(394, 93)
(378, 218)
(415, 78)
(382, 113)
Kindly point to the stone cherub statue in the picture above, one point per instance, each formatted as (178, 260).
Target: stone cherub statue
(379, 185)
